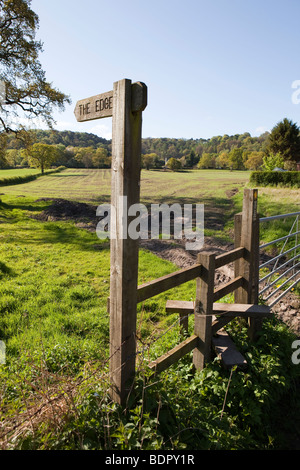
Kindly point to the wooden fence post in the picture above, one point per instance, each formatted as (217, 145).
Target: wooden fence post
(247, 230)
(238, 264)
(128, 103)
(204, 309)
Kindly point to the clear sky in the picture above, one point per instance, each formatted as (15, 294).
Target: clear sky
(212, 67)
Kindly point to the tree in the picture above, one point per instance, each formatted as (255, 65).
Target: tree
(272, 161)
(222, 160)
(192, 159)
(27, 93)
(148, 160)
(174, 164)
(236, 159)
(42, 155)
(100, 158)
(3, 145)
(285, 140)
(13, 157)
(208, 160)
(84, 156)
(254, 160)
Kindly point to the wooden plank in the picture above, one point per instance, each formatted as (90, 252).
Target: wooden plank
(203, 309)
(101, 106)
(228, 287)
(126, 157)
(226, 312)
(242, 309)
(230, 257)
(174, 354)
(237, 244)
(167, 282)
(180, 306)
(227, 351)
(186, 306)
(95, 107)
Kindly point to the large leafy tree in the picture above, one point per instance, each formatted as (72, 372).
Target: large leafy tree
(41, 156)
(27, 92)
(284, 139)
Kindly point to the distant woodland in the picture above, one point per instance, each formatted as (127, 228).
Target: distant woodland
(85, 150)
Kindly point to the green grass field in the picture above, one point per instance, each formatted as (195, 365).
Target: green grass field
(54, 322)
(18, 172)
(221, 191)
(156, 186)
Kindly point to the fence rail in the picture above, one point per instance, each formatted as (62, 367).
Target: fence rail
(277, 269)
(164, 283)
(210, 317)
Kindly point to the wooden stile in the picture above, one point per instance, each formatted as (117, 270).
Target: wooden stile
(125, 105)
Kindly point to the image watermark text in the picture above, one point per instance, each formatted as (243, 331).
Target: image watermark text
(159, 221)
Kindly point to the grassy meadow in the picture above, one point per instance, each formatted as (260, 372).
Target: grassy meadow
(54, 323)
(18, 172)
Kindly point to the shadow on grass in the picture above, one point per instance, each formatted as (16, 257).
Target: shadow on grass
(4, 269)
(25, 206)
(58, 233)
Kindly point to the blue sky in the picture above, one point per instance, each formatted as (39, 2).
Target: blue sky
(212, 67)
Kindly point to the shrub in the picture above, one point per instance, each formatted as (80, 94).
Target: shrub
(276, 178)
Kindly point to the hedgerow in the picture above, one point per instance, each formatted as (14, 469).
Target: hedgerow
(290, 179)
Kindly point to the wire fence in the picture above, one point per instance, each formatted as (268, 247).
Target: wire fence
(58, 396)
(283, 269)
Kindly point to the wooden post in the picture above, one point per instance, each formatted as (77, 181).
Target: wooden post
(128, 103)
(248, 226)
(239, 263)
(204, 309)
(124, 104)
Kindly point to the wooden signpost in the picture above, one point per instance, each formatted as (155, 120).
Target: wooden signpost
(96, 107)
(125, 104)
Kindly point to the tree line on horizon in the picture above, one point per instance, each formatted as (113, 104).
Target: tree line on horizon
(46, 148)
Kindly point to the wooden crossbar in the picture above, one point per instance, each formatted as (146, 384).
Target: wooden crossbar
(231, 310)
(246, 310)
(152, 288)
(180, 306)
(174, 354)
(229, 257)
(227, 288)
